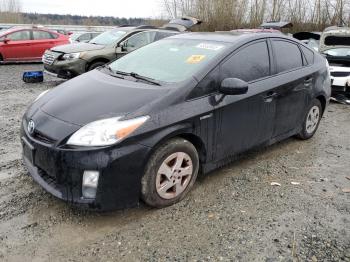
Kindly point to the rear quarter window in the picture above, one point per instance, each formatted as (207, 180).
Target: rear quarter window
(287, 55)
(308, 54)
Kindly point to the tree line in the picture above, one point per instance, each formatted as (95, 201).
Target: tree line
(306, 15)
(310, 15)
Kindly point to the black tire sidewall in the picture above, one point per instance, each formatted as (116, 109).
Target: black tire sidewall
(149, 193)
(95, 65)
(304, 134)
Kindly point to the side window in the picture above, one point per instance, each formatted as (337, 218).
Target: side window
(161, 35)
(2, 38)
(139, 40)
(207, 86)
(248, 64)
(84, 37)
(40, 35)
(287, 56)
(309, 55)
(19, 36)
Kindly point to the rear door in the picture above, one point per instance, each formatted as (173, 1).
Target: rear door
(42, 40)
(294, 80)
(18, 47)
(245, 121)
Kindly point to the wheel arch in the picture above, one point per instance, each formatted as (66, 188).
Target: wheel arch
(99, 59)
(185, 133)
(1, 58)
(323, 102)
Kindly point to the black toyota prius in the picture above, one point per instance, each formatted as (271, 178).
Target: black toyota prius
(144, 126)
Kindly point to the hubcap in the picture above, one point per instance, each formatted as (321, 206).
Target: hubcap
(312, 119)
(174, 175)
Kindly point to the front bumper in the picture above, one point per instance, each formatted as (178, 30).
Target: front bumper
(59, 171)
(66, 69)
(340, 85)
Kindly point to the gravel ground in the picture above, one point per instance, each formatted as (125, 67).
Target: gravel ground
(233, 214)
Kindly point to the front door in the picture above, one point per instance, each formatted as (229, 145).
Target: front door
(246, 120)
(18, 47)
(136, 41)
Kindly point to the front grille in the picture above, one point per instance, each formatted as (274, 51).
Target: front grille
(340, 74)
(49, 58)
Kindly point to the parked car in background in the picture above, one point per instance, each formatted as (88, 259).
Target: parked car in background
(68, 61)
(28, 44)
(82, 37)
(146, 124)
(312, 39)
(335, 45)
(255, 30)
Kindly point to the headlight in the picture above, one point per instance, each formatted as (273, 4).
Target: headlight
(41, 94)
(71, 56)
(105, 132)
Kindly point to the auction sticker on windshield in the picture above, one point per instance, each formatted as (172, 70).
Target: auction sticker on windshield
(195, 59)
(209, 46)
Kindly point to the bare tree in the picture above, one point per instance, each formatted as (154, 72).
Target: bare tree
(231, 14)
(10, 11)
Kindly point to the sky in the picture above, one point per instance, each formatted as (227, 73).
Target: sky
(116, 8)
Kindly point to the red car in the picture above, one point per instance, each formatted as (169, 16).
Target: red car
(28, 44)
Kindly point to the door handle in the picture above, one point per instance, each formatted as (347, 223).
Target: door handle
(270, 96)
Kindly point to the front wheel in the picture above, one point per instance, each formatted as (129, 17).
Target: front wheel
(311, 120)
(95, 65)
(170, 173)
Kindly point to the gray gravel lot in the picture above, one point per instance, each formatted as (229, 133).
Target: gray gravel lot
(233, 214)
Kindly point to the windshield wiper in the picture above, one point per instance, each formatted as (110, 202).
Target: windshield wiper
(134, 75)
(112, 73)
(144, 78)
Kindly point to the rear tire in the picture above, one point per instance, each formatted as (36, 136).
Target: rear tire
(312, 120)
(95, 65)
(170, 173)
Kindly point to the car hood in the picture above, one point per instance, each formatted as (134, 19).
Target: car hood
(96, 95)
(77, 47)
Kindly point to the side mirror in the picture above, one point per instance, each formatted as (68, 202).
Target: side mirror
(123, 46)
(5, 41)
(233, 86)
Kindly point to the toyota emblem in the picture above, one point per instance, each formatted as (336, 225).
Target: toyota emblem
(31, 127)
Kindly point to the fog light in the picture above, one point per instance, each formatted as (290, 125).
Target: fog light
(90, 182)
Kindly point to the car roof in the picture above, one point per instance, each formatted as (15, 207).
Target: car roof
(228, 37)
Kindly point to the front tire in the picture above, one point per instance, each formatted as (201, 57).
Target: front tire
(312, 120)
(170, 173)
(95, 65)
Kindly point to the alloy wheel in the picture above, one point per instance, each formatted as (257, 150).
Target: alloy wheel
(312, 119)
(174, 175)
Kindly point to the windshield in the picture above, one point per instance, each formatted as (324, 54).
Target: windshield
(170, 60)
(108, 37)
(338, 52)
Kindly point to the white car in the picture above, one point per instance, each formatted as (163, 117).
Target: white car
(339, 59)
(335, 45)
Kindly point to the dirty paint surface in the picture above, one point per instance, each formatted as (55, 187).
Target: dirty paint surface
(232, 214)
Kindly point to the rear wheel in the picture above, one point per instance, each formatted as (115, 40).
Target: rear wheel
(95, 65)
(311, 120)
(170, 173)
